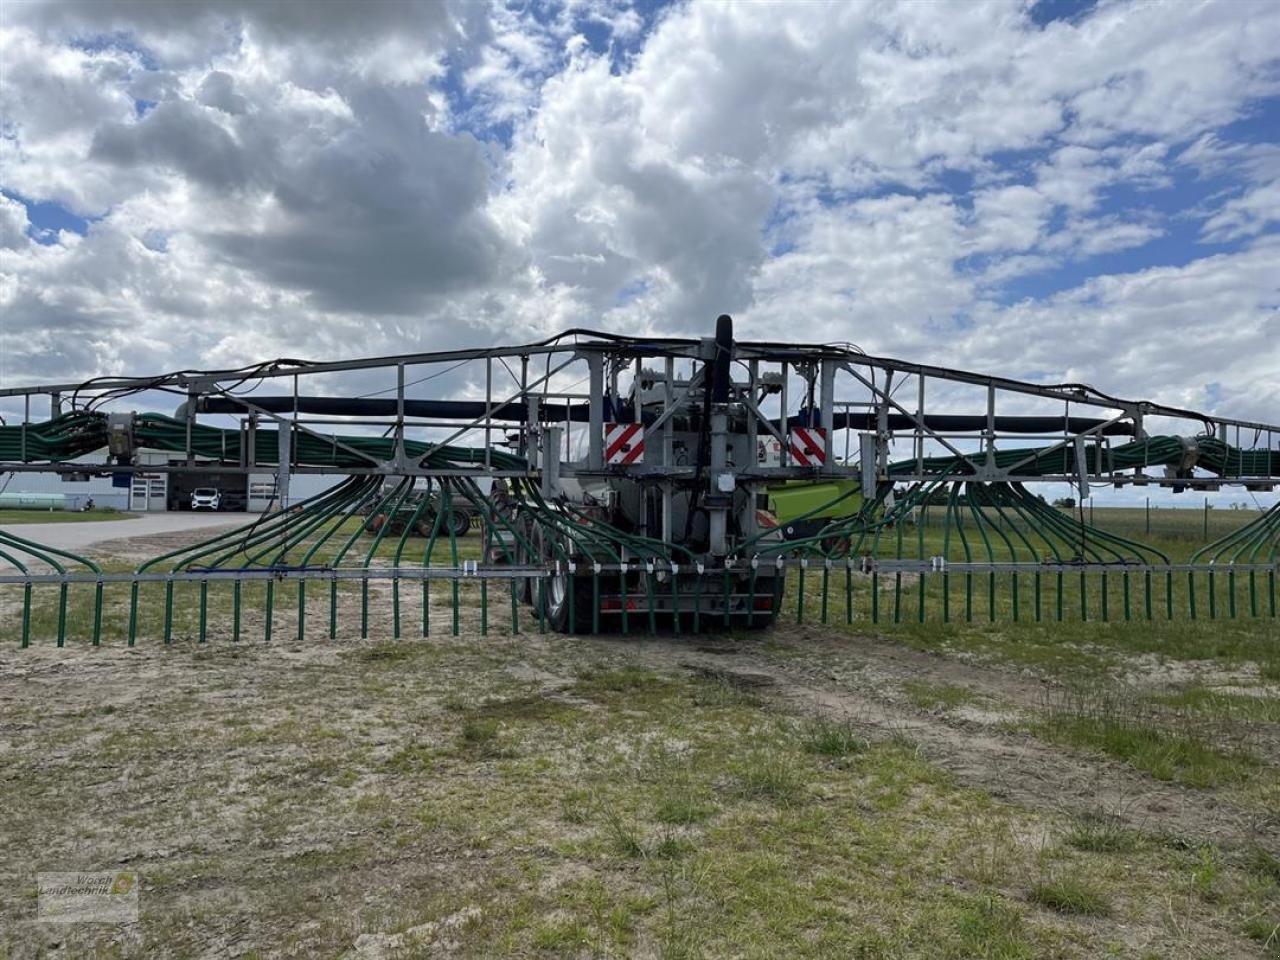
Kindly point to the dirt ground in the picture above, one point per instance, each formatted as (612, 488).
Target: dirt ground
(807, 791)
(220, 773)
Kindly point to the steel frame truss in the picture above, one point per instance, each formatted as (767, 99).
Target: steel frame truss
(831, 378)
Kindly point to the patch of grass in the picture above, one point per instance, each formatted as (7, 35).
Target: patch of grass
(833, 738)
(766, 775)
(1232, 706)
(561, 935)
(715, 692)
(1266, 931)
(619, 680)
(386, 651)
(1116, 725)
(991, 928)
(1102, 833)
(937, 696)
(1205, 874)
(481, 738)
(457, 702)
(10, 517)
(624, 839)
(670, 846)
(1071, 649)
(411, 758)
(1263, 864)
(533, 707)
(1068, 894)
(374, 804)
(576, 807)
(679, 821)
(681, 808)
(629, 679)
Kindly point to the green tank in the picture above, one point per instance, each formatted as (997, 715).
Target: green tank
(794, 503)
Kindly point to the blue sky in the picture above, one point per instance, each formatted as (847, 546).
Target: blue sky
(1060, 190)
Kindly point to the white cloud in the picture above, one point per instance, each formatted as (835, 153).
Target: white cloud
(1163, 333)
(13, 224)
(1245, 216)
(1010, 218)
(329, 180)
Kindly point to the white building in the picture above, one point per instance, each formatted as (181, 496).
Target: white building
(154, 490)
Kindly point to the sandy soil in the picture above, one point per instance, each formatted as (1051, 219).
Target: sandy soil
(249, 783)
(975, 744)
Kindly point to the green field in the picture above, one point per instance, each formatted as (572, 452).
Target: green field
(971, 788)
(11, 517)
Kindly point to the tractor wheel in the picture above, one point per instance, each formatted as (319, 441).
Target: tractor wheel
(459, 523)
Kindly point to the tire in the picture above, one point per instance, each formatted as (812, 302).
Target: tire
(759, 619)
(835, 544)
(556, 593)
(459, 523)
(558, 603)
(527, 588)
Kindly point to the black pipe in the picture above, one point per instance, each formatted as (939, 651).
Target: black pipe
(580, 413)
(383, 407)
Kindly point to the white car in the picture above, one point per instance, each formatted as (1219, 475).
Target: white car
(206, 498)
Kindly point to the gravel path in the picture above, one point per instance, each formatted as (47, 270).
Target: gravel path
(77, 537)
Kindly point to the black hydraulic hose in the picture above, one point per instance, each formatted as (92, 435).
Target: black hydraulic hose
(518, 412)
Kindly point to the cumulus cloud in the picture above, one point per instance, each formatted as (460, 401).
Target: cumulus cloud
(13, 224)
(1171, 331)
(325, 180)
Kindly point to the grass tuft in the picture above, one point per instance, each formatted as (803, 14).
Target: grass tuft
(937, 696)
(1205, 874)
(481, 737)
(1266, 931)
(833, 738)
(576, 807)
(411, 758)
(1204, 701)
(1067, 894)
(624, 839)
(628, 679)
(534, 707)
(768, 776)
(569, 935)
(990, 928)
(1263, 864)
(681, 809)
(670, 847)
(1102, 833)
(1116, 724)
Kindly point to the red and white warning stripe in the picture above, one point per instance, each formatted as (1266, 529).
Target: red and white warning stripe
(808, 446)
(623, 443)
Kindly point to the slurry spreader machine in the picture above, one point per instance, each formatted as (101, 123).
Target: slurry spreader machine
(693, 484)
